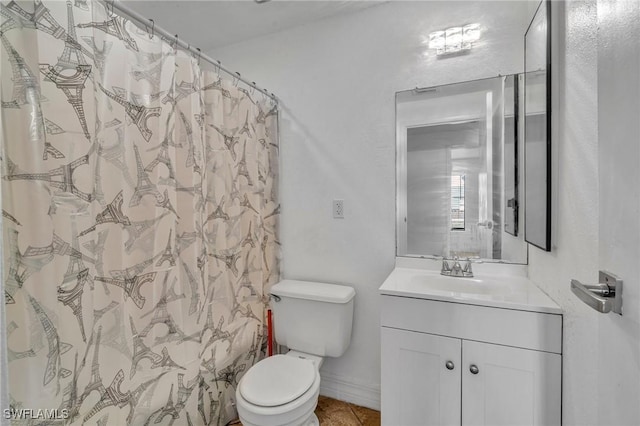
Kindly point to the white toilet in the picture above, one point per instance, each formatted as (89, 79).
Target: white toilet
(313, 320)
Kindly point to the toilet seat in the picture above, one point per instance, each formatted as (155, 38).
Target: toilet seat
(277, 380)
(296, 412)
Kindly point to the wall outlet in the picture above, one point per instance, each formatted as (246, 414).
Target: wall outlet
(338, 209)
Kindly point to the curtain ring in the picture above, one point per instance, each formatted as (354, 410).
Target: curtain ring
(199, 54)
(218, 65)
(252, 89)
(176, 42)
(236, 80)
(153, 29)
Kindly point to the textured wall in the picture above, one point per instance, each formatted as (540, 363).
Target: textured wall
(575, 202)
(336, 80)
(619, 206)
(596, 205)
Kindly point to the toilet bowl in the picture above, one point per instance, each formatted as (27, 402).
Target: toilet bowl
(281, 390)
(314, 320)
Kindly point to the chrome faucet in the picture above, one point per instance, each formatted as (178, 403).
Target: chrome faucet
(456, 269)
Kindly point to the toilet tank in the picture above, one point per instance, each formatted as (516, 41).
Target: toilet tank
(315, 318)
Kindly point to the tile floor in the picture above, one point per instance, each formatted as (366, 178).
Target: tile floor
(332, 412)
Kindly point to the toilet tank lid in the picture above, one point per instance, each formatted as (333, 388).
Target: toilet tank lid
(322, 292)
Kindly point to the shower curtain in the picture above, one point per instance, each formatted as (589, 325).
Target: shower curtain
(140, 221)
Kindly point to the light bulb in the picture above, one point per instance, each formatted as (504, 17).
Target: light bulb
(453, 39)
(436, 40)
(471, 33)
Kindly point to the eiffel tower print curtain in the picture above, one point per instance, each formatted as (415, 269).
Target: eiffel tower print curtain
(140, 221)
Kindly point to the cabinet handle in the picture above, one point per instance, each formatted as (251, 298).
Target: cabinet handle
(474, 369)
(450, 365)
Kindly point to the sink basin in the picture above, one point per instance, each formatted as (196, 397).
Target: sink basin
(458, 285)
(513, 292)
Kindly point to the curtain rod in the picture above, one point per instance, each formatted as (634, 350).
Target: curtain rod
(149, 23)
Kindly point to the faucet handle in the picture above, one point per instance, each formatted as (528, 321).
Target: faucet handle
(467, 267)
(445, 265)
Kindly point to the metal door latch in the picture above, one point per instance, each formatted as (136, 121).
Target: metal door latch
(603, 297)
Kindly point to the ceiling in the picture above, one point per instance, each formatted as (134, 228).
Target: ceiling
(209, 24)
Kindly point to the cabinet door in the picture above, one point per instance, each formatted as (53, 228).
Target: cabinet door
(511, 386)
(417, 386)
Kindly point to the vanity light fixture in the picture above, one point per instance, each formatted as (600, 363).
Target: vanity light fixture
(454, 39)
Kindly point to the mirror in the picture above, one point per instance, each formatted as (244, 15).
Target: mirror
(452, 195)
(537, 134)
(511, 155)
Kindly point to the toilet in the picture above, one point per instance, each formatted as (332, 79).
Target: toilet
(314, 321)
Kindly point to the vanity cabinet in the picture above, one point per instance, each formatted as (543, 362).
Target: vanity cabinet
(417, 386)
(509, 386)
(456, 364)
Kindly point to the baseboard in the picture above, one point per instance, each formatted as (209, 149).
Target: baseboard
(345, 389)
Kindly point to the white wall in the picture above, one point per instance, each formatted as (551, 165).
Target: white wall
(619, 206)
(336, 81)
(596, 205)
(575, 203)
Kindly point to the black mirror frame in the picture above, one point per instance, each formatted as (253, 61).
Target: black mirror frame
(546, 246)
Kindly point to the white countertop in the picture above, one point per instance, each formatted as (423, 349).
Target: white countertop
(485, 289)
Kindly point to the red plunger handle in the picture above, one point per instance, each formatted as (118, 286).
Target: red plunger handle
(269, 333)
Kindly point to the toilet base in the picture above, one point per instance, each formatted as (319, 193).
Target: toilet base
(313, 421)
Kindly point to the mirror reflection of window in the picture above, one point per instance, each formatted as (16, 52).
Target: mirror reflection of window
(457, 203)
